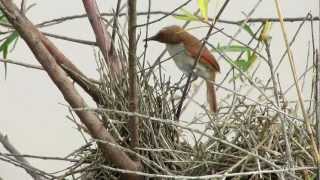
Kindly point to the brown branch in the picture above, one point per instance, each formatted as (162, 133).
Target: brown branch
(21, 64)
(133, 99)
(60, 58)
(317, 103)
(38, 44)
(70, 73)
(133, 124)
(87, 85)
(102, 36)
(115, 27)
(237, 22)
(80, 41)
(166, 15)
(225, 21)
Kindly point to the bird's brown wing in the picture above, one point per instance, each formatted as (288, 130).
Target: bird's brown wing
(206, 56)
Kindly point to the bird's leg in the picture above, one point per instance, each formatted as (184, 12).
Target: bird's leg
(193, 77)
(187, 71)
(177, 85)
(180, 86)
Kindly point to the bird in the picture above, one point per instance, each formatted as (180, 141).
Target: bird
(184, 48)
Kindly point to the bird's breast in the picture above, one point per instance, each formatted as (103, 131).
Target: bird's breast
(185, 62)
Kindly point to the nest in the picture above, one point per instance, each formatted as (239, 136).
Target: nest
(244, 140)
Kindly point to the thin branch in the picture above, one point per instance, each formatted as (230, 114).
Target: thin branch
(115, 27)
(69, 71)
(165, 14)
(133, 123)
(17, 163)
(10, 148)
(317, 104)
(44, 157)
(213, 176)
(21, 64)
(283, 119)
(317, 92)
(294, 74)
(23, 6)
(80, 41)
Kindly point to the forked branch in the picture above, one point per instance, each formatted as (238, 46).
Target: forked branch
(49, 61)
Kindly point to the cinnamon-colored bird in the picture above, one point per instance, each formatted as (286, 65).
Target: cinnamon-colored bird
(184, 49)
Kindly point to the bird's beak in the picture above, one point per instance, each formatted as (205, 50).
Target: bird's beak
(151, 38)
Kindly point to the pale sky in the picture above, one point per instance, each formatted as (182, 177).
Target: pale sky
(31, 113)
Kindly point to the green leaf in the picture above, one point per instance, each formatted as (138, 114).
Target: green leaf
(187, 16)
(245, 64)
(252, 59)
(233, 48)
(5, 51)
(3, 18)
(241, 64)
(5, 45)
(248, 29)
(265, 32)
(203, 6)
(4, 48)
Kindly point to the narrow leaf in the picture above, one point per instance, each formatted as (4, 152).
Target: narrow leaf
(245, 64)
(233, 48)
(4, 48)
(265, 32)
(11, 38)
(5, 53)
(241, 64)
(203, 6)
(252, 59)
(187, 16)
(248, 29)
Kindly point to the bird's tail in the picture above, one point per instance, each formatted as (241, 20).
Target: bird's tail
(211, 97)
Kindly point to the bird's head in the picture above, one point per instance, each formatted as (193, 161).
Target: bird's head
(168, 35)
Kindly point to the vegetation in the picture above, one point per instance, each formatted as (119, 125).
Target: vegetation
(135, 132)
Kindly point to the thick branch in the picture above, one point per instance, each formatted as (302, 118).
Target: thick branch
(102, 36)
(95, 92)
(35, 41)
